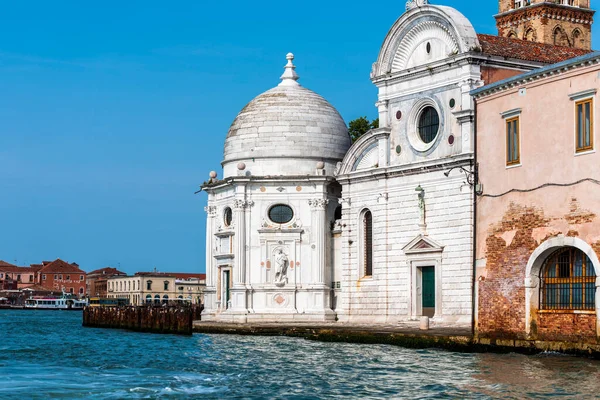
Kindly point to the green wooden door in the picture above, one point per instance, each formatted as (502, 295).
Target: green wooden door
(428, 276)
(227, 284)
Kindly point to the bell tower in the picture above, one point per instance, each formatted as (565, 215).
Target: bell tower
(559, 22)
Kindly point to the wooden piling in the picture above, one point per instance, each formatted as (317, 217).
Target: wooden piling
(154, 319)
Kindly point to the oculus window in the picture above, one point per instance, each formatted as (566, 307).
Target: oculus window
(227, 216)
(429, 124)
(281, 214)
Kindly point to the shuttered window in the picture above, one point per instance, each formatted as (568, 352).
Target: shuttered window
(368, 243)
(584, 125)
(513, 155)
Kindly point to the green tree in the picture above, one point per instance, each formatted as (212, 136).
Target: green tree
(360, 126)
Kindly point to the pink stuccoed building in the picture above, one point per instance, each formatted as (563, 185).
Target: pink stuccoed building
(538, 204)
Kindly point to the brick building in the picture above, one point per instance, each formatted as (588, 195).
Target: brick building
(538, 236)
(96, 281)
(58, 275)
(560, 22)
(13, 277)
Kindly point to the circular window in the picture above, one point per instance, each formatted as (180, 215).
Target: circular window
(227, 216)
(429, 124)
(281, 214)
(452, 103)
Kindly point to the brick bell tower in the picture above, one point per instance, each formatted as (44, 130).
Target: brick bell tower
(558, 22)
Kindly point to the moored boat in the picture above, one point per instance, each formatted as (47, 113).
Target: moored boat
(62, 303)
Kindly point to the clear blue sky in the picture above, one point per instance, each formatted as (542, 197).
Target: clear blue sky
(113, 113)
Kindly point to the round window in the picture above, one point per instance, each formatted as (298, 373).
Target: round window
(429, 124)
(452, 103)
(281, 214)
(227, 216)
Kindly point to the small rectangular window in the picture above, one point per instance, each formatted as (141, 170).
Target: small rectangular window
(68, 277)
(55, 277)
(44, 277)
(80, 277)
(513, 155)
(584, 125)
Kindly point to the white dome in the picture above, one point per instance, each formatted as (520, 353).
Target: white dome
(286, 131)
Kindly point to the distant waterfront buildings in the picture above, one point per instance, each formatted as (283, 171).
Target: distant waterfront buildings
(158, 287)
(97, 281)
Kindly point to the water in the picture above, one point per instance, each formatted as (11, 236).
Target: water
(47, 354)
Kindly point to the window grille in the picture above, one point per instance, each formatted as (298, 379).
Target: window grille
(429, 124)
(568, 282)
(368, 243)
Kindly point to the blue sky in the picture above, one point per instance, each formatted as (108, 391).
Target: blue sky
(113, 113)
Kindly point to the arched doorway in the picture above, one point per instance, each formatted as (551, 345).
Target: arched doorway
(157, 299)
(561, 279)
(148, 299)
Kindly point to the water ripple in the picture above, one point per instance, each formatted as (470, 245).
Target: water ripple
(49, 355)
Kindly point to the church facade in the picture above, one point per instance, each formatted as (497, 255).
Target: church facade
(305, 225)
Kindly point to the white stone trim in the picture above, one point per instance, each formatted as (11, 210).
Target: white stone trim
(412, 131)
(584, 94)
(515, 112)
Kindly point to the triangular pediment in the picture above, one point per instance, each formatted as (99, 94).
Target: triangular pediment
(422, 244)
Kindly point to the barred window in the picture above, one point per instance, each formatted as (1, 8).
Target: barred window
(368, 243)
(568, 281)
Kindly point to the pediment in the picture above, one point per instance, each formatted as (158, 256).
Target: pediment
(422, 244)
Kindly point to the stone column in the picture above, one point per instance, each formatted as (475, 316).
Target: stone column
(238, 291)
(319, 220)
(382, 107)
(211, 213)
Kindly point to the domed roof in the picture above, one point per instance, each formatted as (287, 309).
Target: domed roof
(288, 122)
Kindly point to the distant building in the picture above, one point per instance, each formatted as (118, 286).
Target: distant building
(13, 277)
(96, 281)
(158, 287)
(59, 275)
(557, 22)
(538, 237)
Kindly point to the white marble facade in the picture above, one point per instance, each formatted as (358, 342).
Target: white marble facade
(414, 177)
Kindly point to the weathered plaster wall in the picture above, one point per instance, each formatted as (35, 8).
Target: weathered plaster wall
(512, 226)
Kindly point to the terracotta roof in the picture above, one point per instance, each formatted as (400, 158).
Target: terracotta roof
(5, 264)
(59, 265)
(525, 50)
(109, 271)
(14, 268)
(182, 275)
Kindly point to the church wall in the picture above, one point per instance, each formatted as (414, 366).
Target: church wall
(389, 294)
(305, 240)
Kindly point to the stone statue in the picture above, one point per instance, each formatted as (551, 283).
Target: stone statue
(281, 264)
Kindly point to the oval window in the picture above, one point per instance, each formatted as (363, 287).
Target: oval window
(428, 47)
(429, 124)
(281, 214)
(452, 103)
(227, 216)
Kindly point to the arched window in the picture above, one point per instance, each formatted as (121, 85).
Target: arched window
(157, 299)
(568, 281)
(577, 39)
(530, 35)
(165, 299)
(149, 298)
(367, 243)
(560, 37)
(512, 35)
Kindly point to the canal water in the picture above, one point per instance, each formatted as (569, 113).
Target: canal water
(48, 354)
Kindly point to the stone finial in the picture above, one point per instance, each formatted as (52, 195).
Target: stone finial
(415, 3)
(241, 166)
(289, 76)
(213, 174)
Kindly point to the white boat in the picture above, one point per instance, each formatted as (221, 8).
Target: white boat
(62, 303)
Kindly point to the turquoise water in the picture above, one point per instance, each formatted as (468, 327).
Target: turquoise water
(47, 354)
